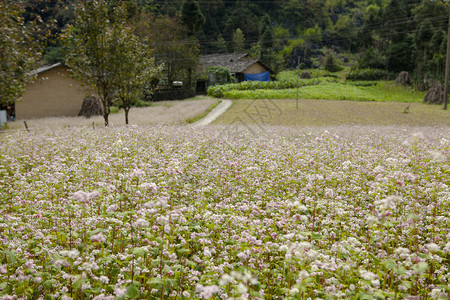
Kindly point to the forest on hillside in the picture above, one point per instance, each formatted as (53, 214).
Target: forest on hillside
(393, 35)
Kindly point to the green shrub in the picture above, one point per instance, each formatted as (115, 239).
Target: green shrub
(219, 90)
(362, 83)
(293, 74)
(331, 64)
(367, 74)
(113, 109)
(143, 103)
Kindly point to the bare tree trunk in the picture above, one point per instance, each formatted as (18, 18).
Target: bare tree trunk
(126, 115)
(105, 116)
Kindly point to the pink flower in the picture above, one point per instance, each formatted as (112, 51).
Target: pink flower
(99, 237)
(119, 292)
(85, 197)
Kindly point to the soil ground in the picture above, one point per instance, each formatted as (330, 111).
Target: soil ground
(333, 113)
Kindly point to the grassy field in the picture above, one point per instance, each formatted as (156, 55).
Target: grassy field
(380, 92)
(283, 112)
(164, 112)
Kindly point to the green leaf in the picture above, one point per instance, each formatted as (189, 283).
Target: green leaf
(182, 252)
(365, 297)
(413, 216)
(171, 282)
(49, 283)
(390, 264)
(400, 270)
(375, 259)
(407, 284)
(379, 295)
(155, 281)
(420, 267)
(10, 256)
(316, 236)
(132, 291)
(138, 252)
(191, 264)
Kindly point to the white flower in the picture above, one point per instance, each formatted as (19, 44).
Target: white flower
(447, 248)
(371, 219)
(436, 156)
(99, 237)
(303, 274)
(186, 294)
(206, 252)
(141, 223)
(30, 264)
(162, 220)
(236, 275)
(388, 203)
(293, 291)
(312, 254)
(375, 282)
(119, 292)
(304, 245)
(302, 208)
(241, 288)
(432, 247)
(401, 250)
(111, 208)
(283, 248)
(367, 275)
(225, 279)
(206, 292)
(436, 293)
(289, 236)
(104, 279)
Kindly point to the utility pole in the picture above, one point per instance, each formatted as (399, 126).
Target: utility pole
(298, 76)
(447, 61)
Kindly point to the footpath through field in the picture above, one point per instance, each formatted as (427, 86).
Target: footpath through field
(223, 106)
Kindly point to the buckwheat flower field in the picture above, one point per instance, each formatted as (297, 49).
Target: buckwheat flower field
(203, 213)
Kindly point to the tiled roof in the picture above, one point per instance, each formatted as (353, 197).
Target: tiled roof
(235, 62)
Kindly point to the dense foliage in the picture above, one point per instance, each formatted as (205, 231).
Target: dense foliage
(103, 52)
(19, 52)
(395, 35)
(183, 213)
(368, 74)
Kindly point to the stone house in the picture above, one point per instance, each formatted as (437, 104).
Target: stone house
(239, 64)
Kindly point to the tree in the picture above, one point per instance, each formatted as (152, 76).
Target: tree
(19, 52)
(90, 43)
(266, 36)
(134, 69)
(221, 44)
(266, 40)
(238, 41)
(422, 40)
(192, 16)
(173, 48)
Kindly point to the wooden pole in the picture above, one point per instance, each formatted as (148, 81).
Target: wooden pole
(447, 62)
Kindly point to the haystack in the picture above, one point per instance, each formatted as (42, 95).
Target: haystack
(91, 107)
